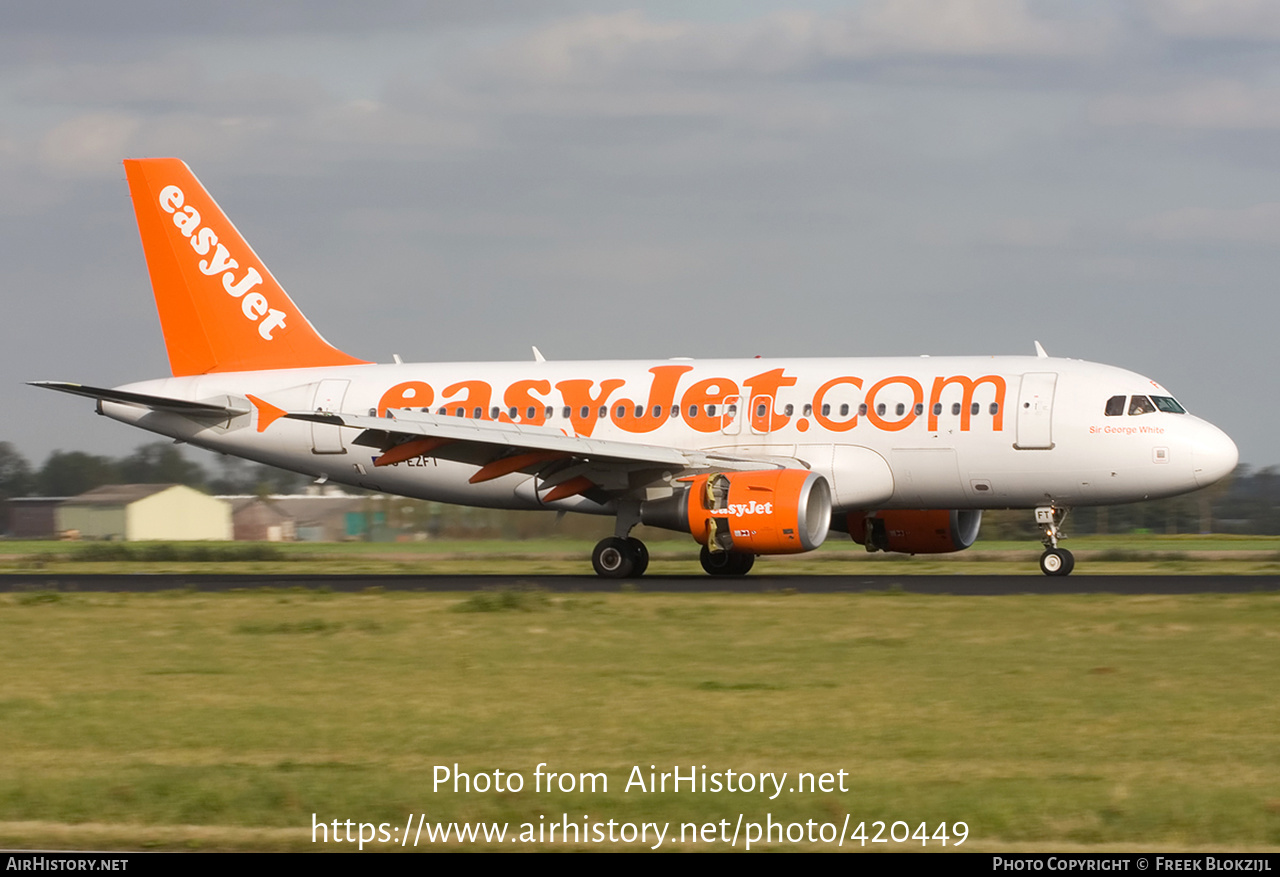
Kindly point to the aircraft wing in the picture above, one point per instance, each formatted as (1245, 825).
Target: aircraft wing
(502, 448)
(143, 400)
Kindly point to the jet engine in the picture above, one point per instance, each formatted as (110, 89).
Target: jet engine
(773, 511)
(912, 531)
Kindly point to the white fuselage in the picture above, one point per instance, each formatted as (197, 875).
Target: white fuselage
(927, 432)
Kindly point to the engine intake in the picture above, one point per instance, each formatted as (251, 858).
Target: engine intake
(773, 511)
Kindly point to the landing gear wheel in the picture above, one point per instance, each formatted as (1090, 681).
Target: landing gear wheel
(614, 558)
(639, 555)
(726, 563)
(1057, 562)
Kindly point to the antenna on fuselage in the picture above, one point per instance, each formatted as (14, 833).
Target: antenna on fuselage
(1040, 351)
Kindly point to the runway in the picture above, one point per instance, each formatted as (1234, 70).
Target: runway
(958, 585)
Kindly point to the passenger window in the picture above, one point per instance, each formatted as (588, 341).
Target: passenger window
(955, 407)
(459, 412)
(844, 410)
(974, 408)
(711, 411)
(808, 410)
(675, 411)
(604, 412)
(513, 412)
(442, 411)
(761, 409)
(900, 409)
(994, 409)
(477, 413)
(621, 411)
(639, 412)
(787, 411)
(494, 412)
(1141, 405)
(549, 413)
(826, 409)
(880, 409)
(657, 410)
(862, 410)
(1115, 406)
(919, 408)
(569, 411)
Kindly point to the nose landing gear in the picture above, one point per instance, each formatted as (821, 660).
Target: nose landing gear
(1055, 561)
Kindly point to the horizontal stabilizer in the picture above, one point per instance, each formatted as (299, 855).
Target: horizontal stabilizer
(158, 403)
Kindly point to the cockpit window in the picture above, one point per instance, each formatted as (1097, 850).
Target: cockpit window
(1168, 404)
(1141, 405)
(1115, 406)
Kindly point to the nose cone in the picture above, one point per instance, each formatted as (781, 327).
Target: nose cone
(1213, 455)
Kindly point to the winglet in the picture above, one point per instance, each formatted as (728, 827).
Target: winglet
(220, 308)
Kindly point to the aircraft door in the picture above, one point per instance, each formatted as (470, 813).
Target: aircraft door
(1035, 411)
(761, 414)
(731, 417)
(326, 439)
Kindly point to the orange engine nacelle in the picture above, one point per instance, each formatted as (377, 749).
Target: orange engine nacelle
(910, 531)
(773, 511)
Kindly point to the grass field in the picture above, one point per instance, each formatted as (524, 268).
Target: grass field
(225, 721)
(1096, 555)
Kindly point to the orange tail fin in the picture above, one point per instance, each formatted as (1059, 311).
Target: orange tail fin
(220, 308)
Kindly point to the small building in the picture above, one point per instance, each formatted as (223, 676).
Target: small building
(319, 518)
(258, 519)
(138, 512)
(33, 517)
(313, 517)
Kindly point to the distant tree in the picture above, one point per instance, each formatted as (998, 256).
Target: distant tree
(74, 472)
(239, 477)
(15, 472)
(274, 480)
(161, 463)
(15, 480)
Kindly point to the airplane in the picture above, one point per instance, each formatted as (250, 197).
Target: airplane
(750, 457)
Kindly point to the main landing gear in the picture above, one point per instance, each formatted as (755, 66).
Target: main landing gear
(1055, 561)
(726, 563)
(620, 558)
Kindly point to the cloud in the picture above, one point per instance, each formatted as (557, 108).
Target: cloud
(791, 41)
(968, 28)
(88, 145)
(167, 83)
(1246, 20)
(1256, 224)
(1035, 233)
(147, 18)
(1221, 104)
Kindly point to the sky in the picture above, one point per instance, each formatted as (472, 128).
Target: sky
(459, 181)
